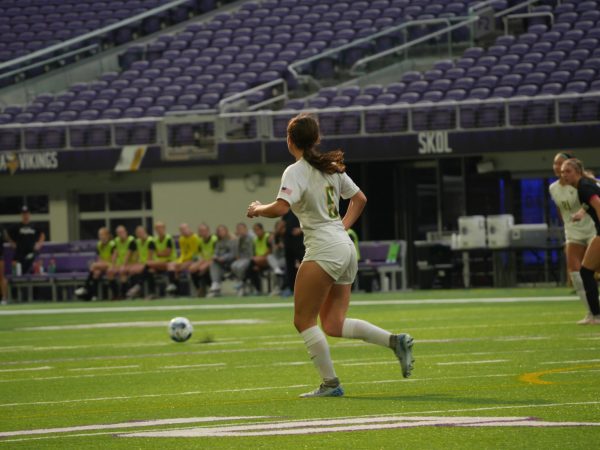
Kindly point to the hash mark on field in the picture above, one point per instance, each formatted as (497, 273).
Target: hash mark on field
(104, 368)
(577, 361)
(189, 366)
(484, 361)
(27, 369)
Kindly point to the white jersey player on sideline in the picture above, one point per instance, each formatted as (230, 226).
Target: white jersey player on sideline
(579, 226)
(312, 187)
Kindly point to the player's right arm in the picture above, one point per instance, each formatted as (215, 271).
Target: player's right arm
(276, 209)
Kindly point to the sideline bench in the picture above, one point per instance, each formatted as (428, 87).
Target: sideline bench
(375, 259)
(72, 261)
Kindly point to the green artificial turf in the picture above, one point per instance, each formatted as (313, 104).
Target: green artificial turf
(472, 360)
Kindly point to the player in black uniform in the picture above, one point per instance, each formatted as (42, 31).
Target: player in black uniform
(588, 190)
(27, 241)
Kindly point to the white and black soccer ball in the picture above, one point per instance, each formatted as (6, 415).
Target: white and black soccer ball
(180, 329)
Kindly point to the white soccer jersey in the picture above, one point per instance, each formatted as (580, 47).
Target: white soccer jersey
(567, 202)
(314, 197)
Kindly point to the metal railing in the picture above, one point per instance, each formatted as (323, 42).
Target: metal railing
(464, 21)
(88, 48)
(464, 115)
(508, 18)
(211, 126)
(239, 99)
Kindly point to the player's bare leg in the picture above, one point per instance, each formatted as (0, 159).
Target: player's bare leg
(311, 290)
(334, 322)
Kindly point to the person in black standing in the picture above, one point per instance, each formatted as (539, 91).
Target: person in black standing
(3, 284)
(293, 244)
(588, 190)
(27, 241)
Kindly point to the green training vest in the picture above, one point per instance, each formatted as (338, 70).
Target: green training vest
(162, 245)
(261, 246)
(142, 249)
(207, 249)
(105, 251)
(122, 248)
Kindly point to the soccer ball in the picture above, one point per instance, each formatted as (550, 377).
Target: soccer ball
(180, 329)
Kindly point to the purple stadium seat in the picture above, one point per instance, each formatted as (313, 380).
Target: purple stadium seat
(433, 74)
(411, 75)
(523, 68)
(536, 78)
(373, 89)
(532, 57)
(570, 65)
(500, 70)
(473, 52)
(463, 83)
(546, 67)
(542, 111)
(487, 61)
(441, 84)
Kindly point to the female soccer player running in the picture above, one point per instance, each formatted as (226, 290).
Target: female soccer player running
(312, 188)
(588, 190)
(579, 226)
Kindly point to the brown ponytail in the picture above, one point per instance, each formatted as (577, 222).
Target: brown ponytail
(303, 131)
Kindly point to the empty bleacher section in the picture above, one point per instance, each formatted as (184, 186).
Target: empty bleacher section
(548, 74)
(208, 61)
(36, 36)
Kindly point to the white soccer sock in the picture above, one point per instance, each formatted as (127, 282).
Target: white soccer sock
(359, 329)
(318, 349)
(579, 288)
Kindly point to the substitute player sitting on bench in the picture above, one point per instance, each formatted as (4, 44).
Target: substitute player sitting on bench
(104, 249)
(188, 248)
(138, 270)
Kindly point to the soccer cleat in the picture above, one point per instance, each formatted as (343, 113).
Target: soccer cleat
(589, 319)
(171, 289)
(403, 351)
(134, 291)
(325, 391)
(81, 292)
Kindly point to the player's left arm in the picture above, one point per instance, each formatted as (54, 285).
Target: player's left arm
(595, 203)
(355, 208)
(276, 209)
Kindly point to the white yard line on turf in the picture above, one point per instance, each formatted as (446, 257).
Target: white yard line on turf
(238, 306)
(135, 366)
(461, 363)
(576, 361)
(189, 366)
(27, 369)
(123, 425)
(147, 324)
